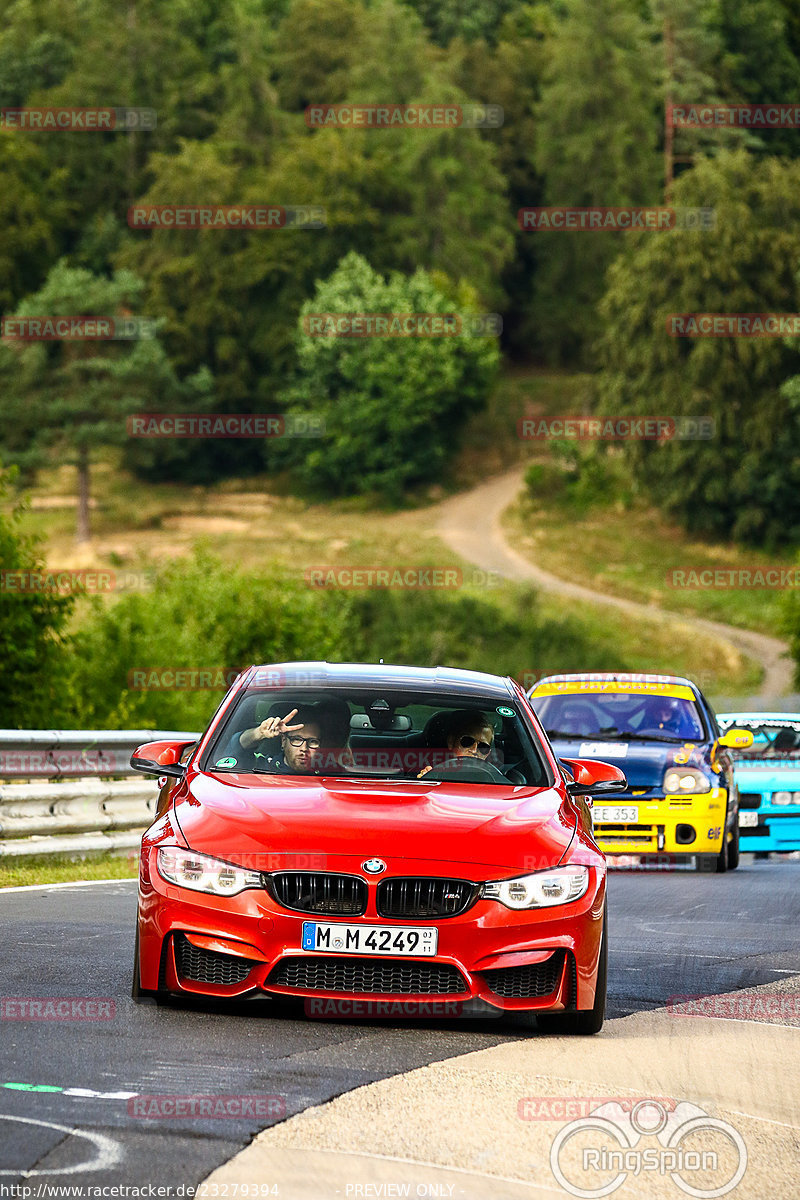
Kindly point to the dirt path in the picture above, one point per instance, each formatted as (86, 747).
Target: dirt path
(470, 524)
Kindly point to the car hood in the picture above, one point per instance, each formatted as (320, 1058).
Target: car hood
(643, 763)
(517, 827)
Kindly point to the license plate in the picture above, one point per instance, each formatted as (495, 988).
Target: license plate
(615, 813)
(747, 820)
(370, 939)
(603, 750)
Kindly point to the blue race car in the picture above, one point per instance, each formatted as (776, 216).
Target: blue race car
(768, 778)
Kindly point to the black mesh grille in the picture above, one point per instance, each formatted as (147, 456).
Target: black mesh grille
(316, 892)
(749, 800)
(207, 966)
(523, 983)
(325, 974)
(425, 897)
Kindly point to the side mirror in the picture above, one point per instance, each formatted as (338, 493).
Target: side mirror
(161, 758)
(736, 739)
(593, 778)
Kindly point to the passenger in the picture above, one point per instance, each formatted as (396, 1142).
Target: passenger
(300, 740)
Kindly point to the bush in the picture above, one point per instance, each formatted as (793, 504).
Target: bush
(201, 615)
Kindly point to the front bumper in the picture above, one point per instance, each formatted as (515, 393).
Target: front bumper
(676, 825)
(546, 959)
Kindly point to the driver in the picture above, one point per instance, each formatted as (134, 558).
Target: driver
(665, 714)
(469, 736)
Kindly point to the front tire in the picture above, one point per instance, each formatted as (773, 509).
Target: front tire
(733, 847)
(140, 995)
(590, 1021)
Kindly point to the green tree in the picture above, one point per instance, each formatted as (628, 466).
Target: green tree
(31, 209)
(68, 397)
(468, 19)
(400, 197)
(392, 406)
(744, 482)
(759, 63)
(597, 128)
(32, 629)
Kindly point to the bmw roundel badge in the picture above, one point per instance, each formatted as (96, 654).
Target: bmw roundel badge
(373, 866)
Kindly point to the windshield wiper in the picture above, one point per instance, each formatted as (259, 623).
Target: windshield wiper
(645, 737)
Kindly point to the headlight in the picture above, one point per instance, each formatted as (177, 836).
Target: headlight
(686, 779)
(786, 797)
(541, 890)
(204, 874)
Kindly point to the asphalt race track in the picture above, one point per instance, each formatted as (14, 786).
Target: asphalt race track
(672, 933)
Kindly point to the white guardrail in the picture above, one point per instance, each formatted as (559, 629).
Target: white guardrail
(74, 797)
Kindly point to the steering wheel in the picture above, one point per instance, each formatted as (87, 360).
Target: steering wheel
(466, 769)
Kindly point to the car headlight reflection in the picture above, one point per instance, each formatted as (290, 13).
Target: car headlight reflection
(204, 874)
(542, 890)
(686, 779)
(786, 797)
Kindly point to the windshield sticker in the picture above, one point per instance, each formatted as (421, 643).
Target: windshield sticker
(675, 691)
(601, 749)
(226, 762)
(504, 712)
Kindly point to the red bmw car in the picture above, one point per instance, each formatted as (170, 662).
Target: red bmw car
(376, 833)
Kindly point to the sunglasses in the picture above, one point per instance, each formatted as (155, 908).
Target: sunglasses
(295, 740)
(466, 742)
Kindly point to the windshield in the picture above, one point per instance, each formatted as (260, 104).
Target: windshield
(772, 739)
(383, 735)
(620, 717)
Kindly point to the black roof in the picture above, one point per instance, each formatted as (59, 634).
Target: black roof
(387, 677)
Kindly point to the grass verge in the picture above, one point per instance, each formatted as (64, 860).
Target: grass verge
(66, 868)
